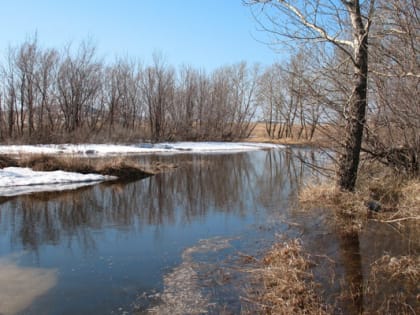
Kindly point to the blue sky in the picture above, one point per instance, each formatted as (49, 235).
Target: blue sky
(202, 33)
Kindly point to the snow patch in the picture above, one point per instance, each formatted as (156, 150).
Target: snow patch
(17, 180)
(141, 148)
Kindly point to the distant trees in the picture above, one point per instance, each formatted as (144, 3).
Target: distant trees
(52, 96)
(289, 99)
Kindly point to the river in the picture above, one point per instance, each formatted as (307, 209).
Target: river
(167, 244)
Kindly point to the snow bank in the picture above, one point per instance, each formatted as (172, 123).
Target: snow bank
(142, 148)
(16, 180)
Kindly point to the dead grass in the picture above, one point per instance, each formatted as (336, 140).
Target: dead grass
(122, 168)
(6, 161)
(322, 136)
(284, 283)
(348, 209)
(398, 197)
(393, 286)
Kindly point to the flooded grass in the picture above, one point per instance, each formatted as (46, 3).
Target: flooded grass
(182, 292)
(284, 283)
(387, 201)
(393, 286)
(6, 161)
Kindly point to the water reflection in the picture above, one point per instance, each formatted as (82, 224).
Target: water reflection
(113, 241)
(344, 260)
(229, 184)
(20, 286)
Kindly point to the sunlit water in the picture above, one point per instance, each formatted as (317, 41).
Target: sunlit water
(168, 244)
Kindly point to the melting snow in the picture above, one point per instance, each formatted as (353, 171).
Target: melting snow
(142, 148)
(16, 180)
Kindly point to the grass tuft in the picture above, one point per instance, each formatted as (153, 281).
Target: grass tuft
(284, 283)
(393, 286)
(6, 161)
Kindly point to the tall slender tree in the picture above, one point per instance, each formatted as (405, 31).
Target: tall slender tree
(342, 25)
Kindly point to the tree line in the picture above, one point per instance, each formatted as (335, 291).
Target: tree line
(47, 95)
(360, 99)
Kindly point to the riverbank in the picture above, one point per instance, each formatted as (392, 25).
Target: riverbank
(380, 278)
(123, 169)
(112, 161)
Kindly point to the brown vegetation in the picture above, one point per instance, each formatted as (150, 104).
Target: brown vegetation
(47, 96)
(283, 280)
(284, 283)
(6, 161)
(388, 197)
(388, 273)
(395, 197)
(121, 168)
(259, 134)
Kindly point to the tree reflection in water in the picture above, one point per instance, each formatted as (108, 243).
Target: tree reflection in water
(239, 190)
(219, 183)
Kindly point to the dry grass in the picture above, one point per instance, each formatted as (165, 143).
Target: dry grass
(349, 210)
(285, 284)
(6, 161)
(322, 136)
(398, 196)
(393, 286)
(122, 168)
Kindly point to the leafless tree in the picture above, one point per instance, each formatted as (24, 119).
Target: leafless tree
(344, 25)
(46, 111)
(271, 98)
(393, 135)
(186, 103)
(78, 84)
(290, 98)
(158, 83)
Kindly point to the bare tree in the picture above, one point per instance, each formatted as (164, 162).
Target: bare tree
(271, 98)
(46, 75)
(158, 90)
(344, 25)
(10, 94)
(393, 136)
(78, 84)
(290, 98)
(186, 103)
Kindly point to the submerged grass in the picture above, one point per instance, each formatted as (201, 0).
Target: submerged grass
(6, 161)
(284, 283)
(381, 194)
(392, 284)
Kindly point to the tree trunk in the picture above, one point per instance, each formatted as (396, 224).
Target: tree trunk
(355, 120)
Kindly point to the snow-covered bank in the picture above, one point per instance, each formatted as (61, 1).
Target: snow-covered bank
(142, 148)
(16, 181)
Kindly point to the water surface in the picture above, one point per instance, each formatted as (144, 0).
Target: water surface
(112, 248)
(172, 243)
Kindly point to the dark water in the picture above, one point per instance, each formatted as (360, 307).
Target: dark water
(162, 243)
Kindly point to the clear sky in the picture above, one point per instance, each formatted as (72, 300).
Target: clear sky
(202, 33)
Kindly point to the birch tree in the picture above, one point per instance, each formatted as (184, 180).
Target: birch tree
(330, 24)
